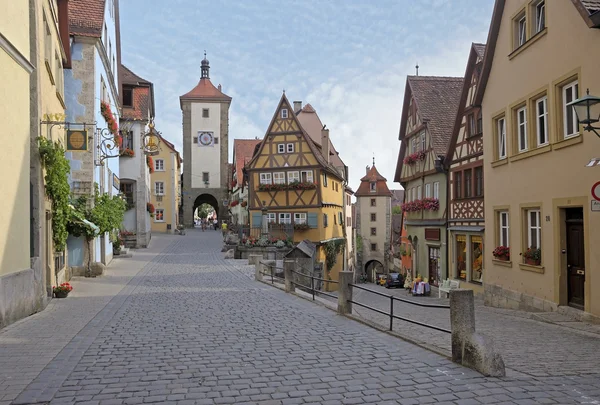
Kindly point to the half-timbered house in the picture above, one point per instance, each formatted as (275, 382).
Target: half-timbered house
(465, 160)
(428, 115)
(295, 187)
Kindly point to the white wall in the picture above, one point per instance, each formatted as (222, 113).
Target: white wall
(206, 158)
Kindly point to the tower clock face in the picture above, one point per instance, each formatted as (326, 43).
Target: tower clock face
(205, 138)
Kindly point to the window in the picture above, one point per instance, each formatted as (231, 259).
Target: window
(279, 178)
(570, 92)
(127, 191)
(290, 148)
(336, 187)
(205, 177)
(159, 188)
(104, 92)
(501, 136)
(540, 16)
(373, 187)
(373, 217)
(479, 124)
(48, 48)
(281, 148)
(373, 202)
(522, 128)
(436, 190)
(284, 113)
(541, 108)
(324, 179)
(300, 218)
(127, 96)
(478, 181)
(348, 221)
(341, 218)
(325, 222)
(428, 190)
(503, 227)
(307, 176)
(468, 183)
(205, 113)
(373, 231)
(105, 36)
(159, 165)
(476, 258)
(472, 128)
(373, 247)
(265, 178)
(271, 218)
(457, 185)
(461, 257)
(334, 220)
(419, 193)
(423, 140)
(534, 229)
(285, 218)
(216, 140)
(522, 31)
(159, 215)
(293, 177)
(414, 194)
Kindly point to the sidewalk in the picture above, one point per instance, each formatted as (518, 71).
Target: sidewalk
(29, 345)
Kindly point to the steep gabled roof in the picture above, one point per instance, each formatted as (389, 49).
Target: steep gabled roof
(86, 17)
(590, 11)
(128, 77)
(397, 197)
(243, 150)
(142, 97)
(373, 176)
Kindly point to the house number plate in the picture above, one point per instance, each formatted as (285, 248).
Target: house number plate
(581, 272)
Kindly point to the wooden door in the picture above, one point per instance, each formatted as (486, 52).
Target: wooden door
(575, 258)
(434, 265)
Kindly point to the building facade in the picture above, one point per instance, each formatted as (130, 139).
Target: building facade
(538, 189)
(428, 114)
(166, 195)
(295, 181)
(137, 99)
(374, 223)
(243, 150)
(465, 203)
(205, 147)
(350, 234)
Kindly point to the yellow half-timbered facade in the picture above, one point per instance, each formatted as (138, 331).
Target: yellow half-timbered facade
(301, 190)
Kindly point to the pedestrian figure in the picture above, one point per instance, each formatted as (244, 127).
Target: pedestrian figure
(224, 229)
(216, 224)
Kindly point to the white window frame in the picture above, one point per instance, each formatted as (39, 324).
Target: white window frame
(309, 176)
(300, 218)
(574, 87)
(284, 113)
(428, 190)
(266, 178)
(293, 177)
(503, 227)
(534, 228)
(522, 129)
(159, 165)
(540, 16)
(521, 31)
(414, 194)
(423, 147)
(285, 218)
(436, 190)
(419, 193)
(373, 187)
(501, 123)
(271, 218)
(290, 148)
(156, 215)
(542, 118)
(159, 190)
(281, 148)
(279, 178)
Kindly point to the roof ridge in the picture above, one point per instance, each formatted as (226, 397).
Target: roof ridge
(135, 74)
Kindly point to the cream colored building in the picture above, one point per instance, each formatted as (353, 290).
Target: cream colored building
(540, 56)
(166, 188)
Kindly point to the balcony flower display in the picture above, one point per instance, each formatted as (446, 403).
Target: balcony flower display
(502, 253)
(305, 185)
(301, 227)
(412, 206)
(150, 163)
(272, 187)
(128, 152)
(234, 203)
(150, 208)
(430, 204)
(111, 122)
(415, 157)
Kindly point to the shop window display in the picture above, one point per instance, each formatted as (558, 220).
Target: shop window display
(477, 258)
(461, 257)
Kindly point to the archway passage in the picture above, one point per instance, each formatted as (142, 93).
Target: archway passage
(206, 199)
(372, 269)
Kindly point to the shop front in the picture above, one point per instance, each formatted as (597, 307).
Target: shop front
(466, 257)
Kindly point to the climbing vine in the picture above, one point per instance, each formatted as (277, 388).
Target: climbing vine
(332, 250)
(359, 243)
(107, 214)
(57, 188)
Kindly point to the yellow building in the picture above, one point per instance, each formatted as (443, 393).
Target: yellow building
(299, 186)
(538, 187)
(166, 188)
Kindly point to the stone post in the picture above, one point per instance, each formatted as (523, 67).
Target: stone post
(258, 271)
(254, 259)
(345, 292)
(468, 347)
(288, 266)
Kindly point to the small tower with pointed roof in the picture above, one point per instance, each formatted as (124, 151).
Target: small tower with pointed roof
(205, 111)
(373, 223)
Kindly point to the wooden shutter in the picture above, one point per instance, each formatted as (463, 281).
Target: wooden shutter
(312, 220)
(256, 220)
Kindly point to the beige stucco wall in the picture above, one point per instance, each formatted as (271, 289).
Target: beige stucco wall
(170, 200)
(552, 179)
(206, 158)
(383, 218)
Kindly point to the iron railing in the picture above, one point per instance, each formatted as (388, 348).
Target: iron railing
(278, 231)
(312, 288)
(391, 314)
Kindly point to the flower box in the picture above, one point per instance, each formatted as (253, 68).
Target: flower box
(62, 290)
(301, 227)
(533, 256)
(128, 152)
(502, 253)
(430, 204)
(415, 157)
(532, 262)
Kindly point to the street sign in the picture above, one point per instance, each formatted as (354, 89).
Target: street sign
(595, 205)
(596, 191)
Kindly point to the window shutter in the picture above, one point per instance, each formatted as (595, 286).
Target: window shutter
(313, 220)
(256, 220)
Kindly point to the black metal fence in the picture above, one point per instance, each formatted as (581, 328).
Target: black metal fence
(311, 288)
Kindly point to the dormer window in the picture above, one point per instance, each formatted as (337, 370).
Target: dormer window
(373, 187)
(540, 16)
(284, 113)
(127, 97)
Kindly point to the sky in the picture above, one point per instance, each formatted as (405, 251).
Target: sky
(348, 58)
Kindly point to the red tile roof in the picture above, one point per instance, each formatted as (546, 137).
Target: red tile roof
(86, 17)
(310, 121)
(243, 150)
(128, 77)
(143, 105)
(205, 90)
(365, 185)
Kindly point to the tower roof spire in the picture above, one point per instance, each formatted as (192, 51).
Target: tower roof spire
(205, 66)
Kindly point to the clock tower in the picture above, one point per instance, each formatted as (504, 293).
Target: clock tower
(205, 147)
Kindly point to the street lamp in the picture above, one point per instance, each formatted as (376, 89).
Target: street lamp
(587, 110)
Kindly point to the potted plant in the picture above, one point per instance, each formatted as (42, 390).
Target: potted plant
(234, 203)
(533, 256)
(301, 227)
(244, 203)
(150, 208)
(62, 290)
(502, 253)
(128, 152)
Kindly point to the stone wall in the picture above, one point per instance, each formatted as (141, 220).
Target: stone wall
(268, 253)
(498, 297)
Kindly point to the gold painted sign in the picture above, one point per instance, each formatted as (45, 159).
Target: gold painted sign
(151, 142)
(77, 140)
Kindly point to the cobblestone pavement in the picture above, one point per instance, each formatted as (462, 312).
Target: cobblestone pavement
(527, 346)
(192, 328)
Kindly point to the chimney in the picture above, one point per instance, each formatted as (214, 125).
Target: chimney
(367, 169)
(219, 87)
(297, 106)
(325, 143)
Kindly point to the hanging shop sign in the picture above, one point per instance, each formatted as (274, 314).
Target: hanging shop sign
(77, 140)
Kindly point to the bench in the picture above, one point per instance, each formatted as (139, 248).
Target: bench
(446, 286)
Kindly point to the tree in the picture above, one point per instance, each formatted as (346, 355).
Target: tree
(205, 210)
(396, 210)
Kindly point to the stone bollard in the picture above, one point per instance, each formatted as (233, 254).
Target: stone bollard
(345, 292)
(468, 347)
(254, 259)
(288, 266)
(258, 271)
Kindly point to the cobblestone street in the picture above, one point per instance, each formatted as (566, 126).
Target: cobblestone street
(188, 327)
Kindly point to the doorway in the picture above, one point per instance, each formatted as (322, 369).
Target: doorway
(575, 258)
(434, 265)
